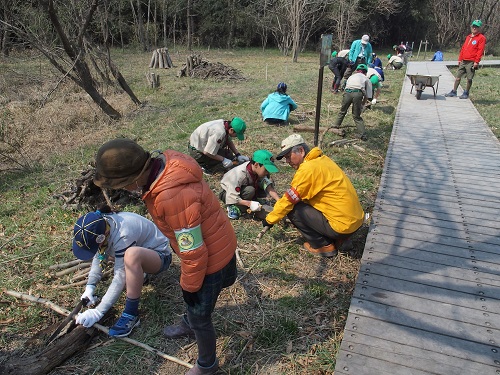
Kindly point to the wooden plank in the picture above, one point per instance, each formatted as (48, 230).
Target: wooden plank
(404, 356)
(434, 264)
(439, 236)
(466, 314)
(408, 336)
(432, 291)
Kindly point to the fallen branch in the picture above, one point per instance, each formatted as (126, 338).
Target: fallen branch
(63, 311)
(72, 269)
(61, 266)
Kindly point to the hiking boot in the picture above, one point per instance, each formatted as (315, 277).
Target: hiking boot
(233, 212)
(200, 370)
(176, 331)
(327, 251)
(465, 95)
(124, 325)
(207, 172)
(451, 94)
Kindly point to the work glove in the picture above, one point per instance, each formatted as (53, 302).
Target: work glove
(255, 206)
(374, 101)
(266, 224)
(241, 158)
(89, 317)
(226, 163)
(191, 298)
(89, 293)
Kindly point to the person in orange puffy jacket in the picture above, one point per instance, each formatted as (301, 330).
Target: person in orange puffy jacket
(187, 212)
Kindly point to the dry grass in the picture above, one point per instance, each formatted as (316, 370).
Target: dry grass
(287, 311)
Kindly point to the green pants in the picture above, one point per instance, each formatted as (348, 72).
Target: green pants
(356, 100)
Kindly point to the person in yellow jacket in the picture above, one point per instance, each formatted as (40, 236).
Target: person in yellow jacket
(321, 201)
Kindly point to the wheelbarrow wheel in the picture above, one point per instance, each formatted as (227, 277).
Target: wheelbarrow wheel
(420, 88)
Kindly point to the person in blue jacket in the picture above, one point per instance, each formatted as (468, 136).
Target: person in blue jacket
(376, 62)
(438, 56)
(277, 106)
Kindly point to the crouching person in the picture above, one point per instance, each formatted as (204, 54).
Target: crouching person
(137, 247)
(244, 184)
(184, 208)
(321, 201)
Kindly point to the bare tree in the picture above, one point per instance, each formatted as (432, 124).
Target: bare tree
(78, 50)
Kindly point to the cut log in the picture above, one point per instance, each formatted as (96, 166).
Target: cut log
(153, 80)
(52, 356)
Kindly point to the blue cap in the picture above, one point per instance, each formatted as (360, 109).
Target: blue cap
(87, 229)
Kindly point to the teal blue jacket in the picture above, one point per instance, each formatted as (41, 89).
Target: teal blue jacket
(277, 106)
(356, 49)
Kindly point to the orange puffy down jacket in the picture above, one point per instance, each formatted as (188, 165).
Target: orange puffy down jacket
(179, 200)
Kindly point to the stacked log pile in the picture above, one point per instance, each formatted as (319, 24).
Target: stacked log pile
(197, 67)
(161, 59)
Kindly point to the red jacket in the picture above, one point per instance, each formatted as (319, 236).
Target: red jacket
(180, 200)
(473, 48)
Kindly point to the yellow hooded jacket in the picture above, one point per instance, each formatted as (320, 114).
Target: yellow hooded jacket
(321, 183)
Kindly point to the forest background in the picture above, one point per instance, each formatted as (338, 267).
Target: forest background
(72, 76)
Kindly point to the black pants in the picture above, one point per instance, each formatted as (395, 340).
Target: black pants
(313, 225)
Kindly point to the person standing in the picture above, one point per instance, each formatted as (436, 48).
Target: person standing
(321, 201)
(338, 66)
(359, 53)
(469, 58)
(277, 106)
(189, 214)
(211, 145)
(357, 91)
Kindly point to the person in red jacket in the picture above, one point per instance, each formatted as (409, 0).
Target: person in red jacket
(469, 58)
(188, 212)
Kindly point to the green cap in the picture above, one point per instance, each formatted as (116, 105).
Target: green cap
(265, 158)
(362, 67)
(334, 53)
(389, 56)
(374, 79)
(239, 127)
(477, 23)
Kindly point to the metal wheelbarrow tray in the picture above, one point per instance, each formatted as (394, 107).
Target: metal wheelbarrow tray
(421, 81)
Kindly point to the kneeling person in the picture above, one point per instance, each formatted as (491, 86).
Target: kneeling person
(242, 185)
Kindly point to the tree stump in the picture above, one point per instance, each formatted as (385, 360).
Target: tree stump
(153, 80)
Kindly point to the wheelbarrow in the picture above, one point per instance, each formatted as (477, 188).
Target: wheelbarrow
(421, 81)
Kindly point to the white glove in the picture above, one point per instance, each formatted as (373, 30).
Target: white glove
(242, 158)
(89, 317)
(255, 206)
(89, 293)
(374, 101)
(226, 163)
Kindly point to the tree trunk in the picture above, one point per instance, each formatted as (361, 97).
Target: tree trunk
(189, 26)
(52, 356)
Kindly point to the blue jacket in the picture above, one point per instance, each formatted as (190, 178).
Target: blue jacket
(438, 56)
(277, 106)
(356, 49)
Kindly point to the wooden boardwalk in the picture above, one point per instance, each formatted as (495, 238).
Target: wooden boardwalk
(427, 298)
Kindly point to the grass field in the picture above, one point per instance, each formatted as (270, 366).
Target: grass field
(286, 313)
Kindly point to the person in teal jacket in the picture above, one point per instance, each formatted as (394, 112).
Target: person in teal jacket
(361, 49)
(277, 106)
